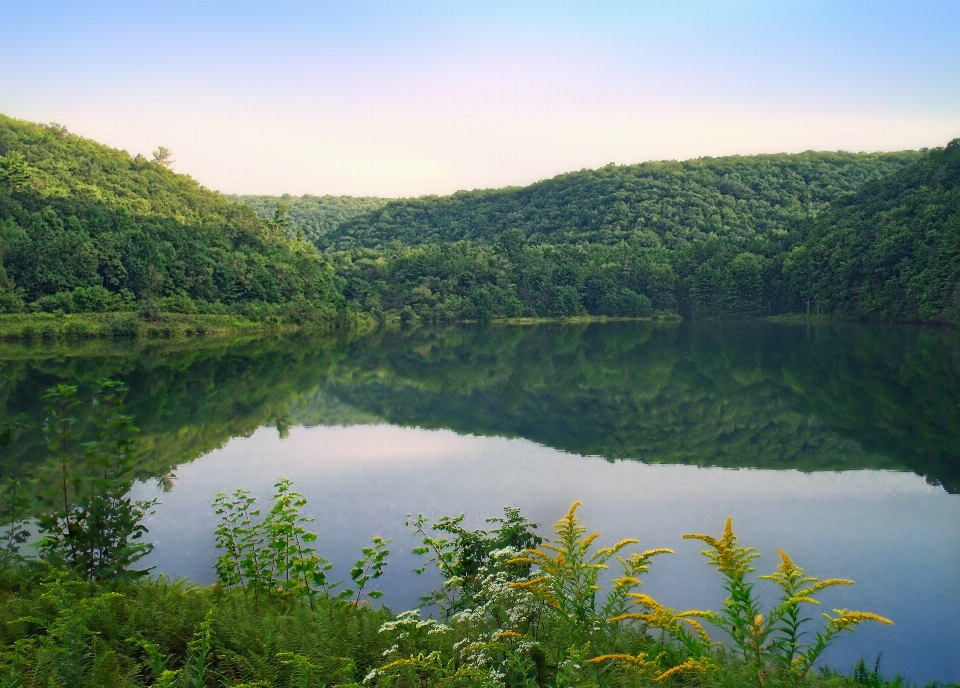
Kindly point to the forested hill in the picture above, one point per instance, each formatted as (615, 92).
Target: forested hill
(315, 216)
(892, 250)
(652, 204)
(84, 227)
(887, 250)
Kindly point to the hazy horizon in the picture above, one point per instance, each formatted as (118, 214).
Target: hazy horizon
(401, 99)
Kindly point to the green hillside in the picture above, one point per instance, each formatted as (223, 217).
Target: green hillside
(84, 227)
(831, 231)
(658, 203)
(87, 228)
(892, 250)
(316, 216)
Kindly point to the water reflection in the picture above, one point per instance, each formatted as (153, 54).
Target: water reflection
(756, 395)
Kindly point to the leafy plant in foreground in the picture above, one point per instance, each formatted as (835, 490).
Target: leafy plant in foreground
(90, 523)
(273, 556)
(461, 558)
(764, 650)
(370, 567)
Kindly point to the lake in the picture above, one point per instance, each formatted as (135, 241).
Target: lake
(839, 444)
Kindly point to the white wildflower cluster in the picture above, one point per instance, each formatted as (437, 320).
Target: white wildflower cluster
(498, 618)
(405, 626)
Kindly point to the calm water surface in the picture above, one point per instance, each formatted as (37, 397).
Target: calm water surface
(840, 445)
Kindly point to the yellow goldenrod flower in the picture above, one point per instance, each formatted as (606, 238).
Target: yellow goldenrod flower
(689, 665)
(643, 599)
(654, 552)
(827, 583)
(639, 659)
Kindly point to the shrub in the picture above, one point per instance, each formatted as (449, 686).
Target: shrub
(10, 301)
(148, 309)
(90, 525)
(95, 299)
(61, 301)
(178, 303)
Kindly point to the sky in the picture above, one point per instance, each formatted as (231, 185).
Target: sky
(401, 98)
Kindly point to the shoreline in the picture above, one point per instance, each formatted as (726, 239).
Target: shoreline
(128, 325)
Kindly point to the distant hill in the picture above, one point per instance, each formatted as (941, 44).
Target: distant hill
(891, 250)
(658, 203)
(316, 216)
(89, 228)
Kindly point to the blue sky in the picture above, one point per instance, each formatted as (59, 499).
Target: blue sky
(408, 98)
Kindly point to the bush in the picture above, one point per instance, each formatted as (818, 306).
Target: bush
(407, 316)
(512, 308)
(566, 301)
(95, 300)
(10, 301)
(61, 301)
(148, 309)
(635, 305)
(178, 303)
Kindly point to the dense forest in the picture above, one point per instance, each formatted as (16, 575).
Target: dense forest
(669, 204)
(892, 250)
(87, 228)
(855, 235)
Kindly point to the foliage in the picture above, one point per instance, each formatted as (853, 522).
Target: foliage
(87, 229)
(463, 281)
(763, 649)
(652, 204)
(890, 251)
(552, 627)
(272, 556)
(90, 524)
(568, 572)
(59, 630)
(84, 227)
(461, 557)
(369, 567)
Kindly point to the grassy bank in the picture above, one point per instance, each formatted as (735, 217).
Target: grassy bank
(80, 326)
(57, 630)
(587, 319)
(805, 319)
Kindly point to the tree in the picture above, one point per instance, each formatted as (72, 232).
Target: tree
(280, 219)
(161, 156)
(14, 171)
(92, 525)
